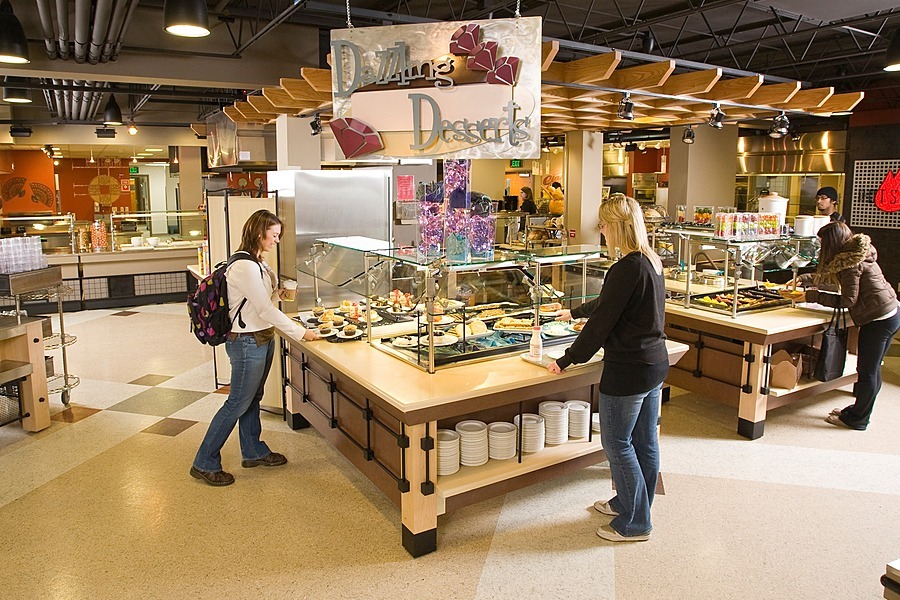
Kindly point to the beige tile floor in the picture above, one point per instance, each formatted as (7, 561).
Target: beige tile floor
(100, 505)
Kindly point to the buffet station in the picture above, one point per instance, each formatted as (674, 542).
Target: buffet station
(424, 374)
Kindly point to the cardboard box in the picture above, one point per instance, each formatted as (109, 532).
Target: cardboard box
(785, 369)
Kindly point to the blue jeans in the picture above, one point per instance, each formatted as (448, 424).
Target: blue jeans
(628, 434)
(249, 368)
(874, 343)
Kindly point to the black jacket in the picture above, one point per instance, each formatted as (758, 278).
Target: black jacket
(627, 320)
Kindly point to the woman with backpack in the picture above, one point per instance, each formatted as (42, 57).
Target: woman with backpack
(250, 347)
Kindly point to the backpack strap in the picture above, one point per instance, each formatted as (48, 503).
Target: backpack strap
(241, 255)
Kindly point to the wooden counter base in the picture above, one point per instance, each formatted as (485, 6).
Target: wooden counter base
(391, 438)
(728, 360)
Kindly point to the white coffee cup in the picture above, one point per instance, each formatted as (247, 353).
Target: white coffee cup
(137, 241)
(290, 290)
(153, 241)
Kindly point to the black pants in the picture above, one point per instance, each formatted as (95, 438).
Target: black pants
(874, 342)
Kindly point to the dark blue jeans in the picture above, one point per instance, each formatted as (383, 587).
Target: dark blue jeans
(874, 342)
(249, 368)
(628, 434)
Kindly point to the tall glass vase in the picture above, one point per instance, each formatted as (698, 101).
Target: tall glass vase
(481, 229)
(430, 221)
(457, 197)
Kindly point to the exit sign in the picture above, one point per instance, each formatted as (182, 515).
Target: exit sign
(132, 170)
(515, 163)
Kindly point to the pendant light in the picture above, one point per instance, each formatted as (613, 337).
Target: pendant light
(688, 136)
(132, 128)
(16, 95)
(892, 58)
(112, 114)
(92, 161)
(13, 43)
(716, 117)
(625, 110)
(186, 18)
(781, 126)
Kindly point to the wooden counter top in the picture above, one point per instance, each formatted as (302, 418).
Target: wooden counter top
(410, 390)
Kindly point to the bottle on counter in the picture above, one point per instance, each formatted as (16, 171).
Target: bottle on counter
(536, 349)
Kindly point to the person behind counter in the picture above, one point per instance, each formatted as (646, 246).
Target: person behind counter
(526, 201)
(250, 348)
(850, 261)
(626, 320)
(826, 203)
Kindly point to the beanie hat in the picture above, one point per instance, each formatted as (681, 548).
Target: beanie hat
(828, 191)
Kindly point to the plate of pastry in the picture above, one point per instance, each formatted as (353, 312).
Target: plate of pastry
(405, 341)
(473, 330)
(440, 339)
(556, 329)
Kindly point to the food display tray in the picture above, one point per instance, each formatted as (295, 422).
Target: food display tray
(749, 300)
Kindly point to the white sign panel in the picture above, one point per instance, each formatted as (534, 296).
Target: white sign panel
(442, 90)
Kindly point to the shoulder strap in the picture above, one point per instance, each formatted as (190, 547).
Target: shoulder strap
(241, 255)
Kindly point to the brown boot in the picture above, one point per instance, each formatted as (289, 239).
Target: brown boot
(216, 478)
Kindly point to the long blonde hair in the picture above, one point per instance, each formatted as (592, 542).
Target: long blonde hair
(625, 227)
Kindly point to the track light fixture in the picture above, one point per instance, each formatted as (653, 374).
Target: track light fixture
(112, 114)
(186, 18)
(13, 43)
(626, 108)
(105, 132)
(892, 57)
(132, 128)
(781, 126)
(716, 117)
(48, 150)
(316, 125)
(19, 131)
(688, 136)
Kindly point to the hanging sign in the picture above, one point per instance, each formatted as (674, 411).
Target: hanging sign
(464, 89)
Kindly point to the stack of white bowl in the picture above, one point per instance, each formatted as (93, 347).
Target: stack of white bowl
(447, 451)
(532, 432)
(595, 422)
(579, 418)
(556, 418)
(473, 443)
(502, 440)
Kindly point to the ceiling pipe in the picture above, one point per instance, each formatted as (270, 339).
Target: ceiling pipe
(114, 33)
(46, 16)
(58, 98)
(51, 105)
(121, 39)
(82, 29)
(98, 31)
(67, 98)
(62, 18)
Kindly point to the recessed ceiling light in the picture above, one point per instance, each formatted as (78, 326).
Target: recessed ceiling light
(56, 148)
(153, 149)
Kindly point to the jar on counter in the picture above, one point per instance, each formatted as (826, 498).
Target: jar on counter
(99, 237)
(83, 239)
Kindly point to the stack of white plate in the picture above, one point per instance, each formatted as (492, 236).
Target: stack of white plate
(556, 417)
(447, 451)
(473, 443)
(502, 440)
(532, 432)
(579, 418)
(595, 422)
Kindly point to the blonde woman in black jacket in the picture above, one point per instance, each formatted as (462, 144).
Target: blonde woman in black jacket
(849, 262)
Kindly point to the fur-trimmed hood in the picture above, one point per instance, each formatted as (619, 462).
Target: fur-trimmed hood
(856, 251)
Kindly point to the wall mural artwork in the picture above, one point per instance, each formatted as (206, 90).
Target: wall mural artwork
(876, 194)
(104, 189)
(15, 188)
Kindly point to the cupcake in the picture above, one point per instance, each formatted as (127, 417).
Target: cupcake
(350, 329)
(325, 328)
(338, 320)
(318, 311)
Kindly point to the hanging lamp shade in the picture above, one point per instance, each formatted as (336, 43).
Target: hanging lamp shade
(892, 58)
(16, 95)
(186, 18)
(112, 114)
(13, 43)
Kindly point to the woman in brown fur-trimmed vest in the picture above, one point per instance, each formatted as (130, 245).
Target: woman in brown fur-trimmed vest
(848, 261)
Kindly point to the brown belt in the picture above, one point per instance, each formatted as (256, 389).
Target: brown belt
(262, 337)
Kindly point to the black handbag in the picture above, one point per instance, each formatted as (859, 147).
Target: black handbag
(833, 353)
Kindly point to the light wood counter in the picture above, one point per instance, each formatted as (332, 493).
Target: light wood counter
(22, 344)
(383, 415)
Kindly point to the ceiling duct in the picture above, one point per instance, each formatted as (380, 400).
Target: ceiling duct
(239, 146)
(98, 33)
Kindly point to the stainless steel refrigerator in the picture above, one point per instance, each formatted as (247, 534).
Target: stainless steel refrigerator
(325, 204)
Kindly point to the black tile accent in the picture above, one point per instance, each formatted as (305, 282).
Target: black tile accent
(419, 544)
(124, 313)
(296, 421)
(749, 429)
(120, 286)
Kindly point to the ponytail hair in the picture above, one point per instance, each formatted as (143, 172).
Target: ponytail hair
(624, 221)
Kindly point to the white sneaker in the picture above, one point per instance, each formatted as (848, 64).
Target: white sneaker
(604, 507)
(611, 535)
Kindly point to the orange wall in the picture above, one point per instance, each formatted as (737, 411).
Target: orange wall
(75, 177)
(30, 188)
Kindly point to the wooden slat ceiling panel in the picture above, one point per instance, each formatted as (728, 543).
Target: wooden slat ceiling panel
(778, 93)
(840, 103)
(808, 99)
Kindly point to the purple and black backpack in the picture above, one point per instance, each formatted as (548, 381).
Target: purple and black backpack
(208, 304)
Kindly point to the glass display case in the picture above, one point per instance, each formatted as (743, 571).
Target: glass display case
(729, 276)
(135, 231)
(57, 232)
(435, 314)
